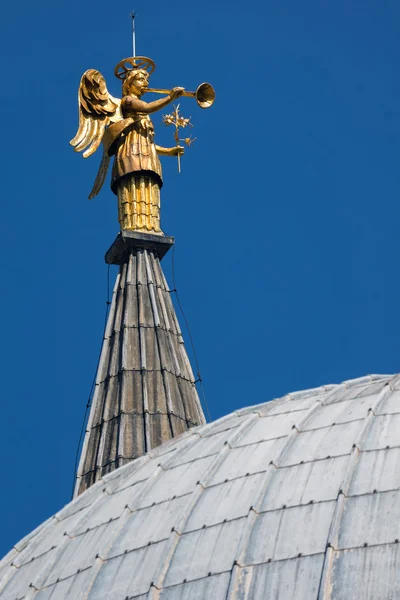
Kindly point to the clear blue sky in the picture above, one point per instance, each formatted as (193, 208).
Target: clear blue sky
(286, 214)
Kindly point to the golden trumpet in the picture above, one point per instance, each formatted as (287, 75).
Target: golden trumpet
(205, 94)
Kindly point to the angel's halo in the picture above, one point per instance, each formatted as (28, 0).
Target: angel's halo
(127, 65)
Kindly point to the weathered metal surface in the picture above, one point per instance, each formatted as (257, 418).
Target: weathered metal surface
(273, 501)
(213, 586)
(284, 580)
(377, 470)
(290, 532)
(370, 573)
(126, 240)
(321, 443)
(301, 484)
(145, 391)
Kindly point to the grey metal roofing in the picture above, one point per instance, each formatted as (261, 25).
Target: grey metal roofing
(297, 498)
(145, 391)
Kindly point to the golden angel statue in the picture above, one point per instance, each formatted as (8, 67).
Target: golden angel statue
(125, 128)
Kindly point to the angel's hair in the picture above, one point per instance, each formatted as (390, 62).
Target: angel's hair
(130, 78)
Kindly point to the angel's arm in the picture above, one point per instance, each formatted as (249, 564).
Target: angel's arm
(133, 104)
(175, 151)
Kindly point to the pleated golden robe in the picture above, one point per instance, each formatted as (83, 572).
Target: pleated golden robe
(137, 177)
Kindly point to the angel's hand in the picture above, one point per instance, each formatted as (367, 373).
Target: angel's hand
(177, 151)
(176, 92)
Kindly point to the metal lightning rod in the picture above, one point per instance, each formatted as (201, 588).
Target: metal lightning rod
(133, 33)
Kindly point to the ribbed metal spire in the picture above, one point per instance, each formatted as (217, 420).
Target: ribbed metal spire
(145, 392)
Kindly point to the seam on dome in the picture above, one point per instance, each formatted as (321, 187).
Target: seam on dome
(260, 512)
(174, 585)
(197, 458)
(287, 399)
(279, 560)
(385, 449)
(364, 546)
(374, 492)
(310, 393)
(130, 550)
(212, 433)
(33, 558)
(147, 506)
(277, 467)
(365, 379)
(336, 424)
(372, 397)
(284, 412)
(60, 520)
(334, 530)
(280, 437)
(79, 533)
(361, 389)
(299, 429)
(284, 401)
(60, 580)
(387, 414)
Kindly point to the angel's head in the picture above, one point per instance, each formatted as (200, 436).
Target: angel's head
(136, 82)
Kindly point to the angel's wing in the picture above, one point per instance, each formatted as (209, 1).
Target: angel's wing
(101, 175)
(97, 109)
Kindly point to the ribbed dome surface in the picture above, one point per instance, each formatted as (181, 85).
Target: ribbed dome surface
(294, 499)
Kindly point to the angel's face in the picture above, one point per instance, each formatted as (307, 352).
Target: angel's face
(139, 83)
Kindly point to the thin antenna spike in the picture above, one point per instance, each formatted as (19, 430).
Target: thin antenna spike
(133, 15)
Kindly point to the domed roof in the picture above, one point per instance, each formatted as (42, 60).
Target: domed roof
(294, 498)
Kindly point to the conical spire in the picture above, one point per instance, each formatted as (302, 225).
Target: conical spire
(145, 391)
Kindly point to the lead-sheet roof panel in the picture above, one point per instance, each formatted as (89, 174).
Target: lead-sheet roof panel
(284, 579)
(209, 550)
(286, 533)
(365, 520)
(300, 484)
(372, 573)
(321, 443)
